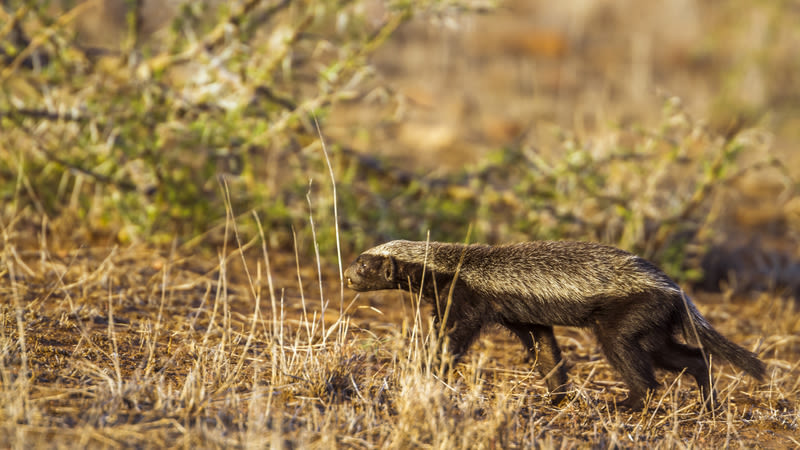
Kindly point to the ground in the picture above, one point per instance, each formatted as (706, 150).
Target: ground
(239, 337)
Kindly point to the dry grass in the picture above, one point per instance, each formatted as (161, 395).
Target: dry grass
(131, 347)
(241, 333)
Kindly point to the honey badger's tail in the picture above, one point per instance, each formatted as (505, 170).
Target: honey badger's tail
(695, 326)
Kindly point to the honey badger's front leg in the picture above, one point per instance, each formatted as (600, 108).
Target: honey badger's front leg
(546, 354)
(463, 320)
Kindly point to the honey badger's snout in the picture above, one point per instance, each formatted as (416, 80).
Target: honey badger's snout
(351, 276)
(371, 273)
(347, 276)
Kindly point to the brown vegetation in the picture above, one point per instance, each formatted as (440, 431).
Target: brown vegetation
(173, 231)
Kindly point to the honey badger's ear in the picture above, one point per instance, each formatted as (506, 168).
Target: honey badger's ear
(388, 268)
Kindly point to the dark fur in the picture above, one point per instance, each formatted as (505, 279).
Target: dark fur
(634, 309)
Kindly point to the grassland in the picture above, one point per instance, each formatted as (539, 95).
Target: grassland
(181, 190)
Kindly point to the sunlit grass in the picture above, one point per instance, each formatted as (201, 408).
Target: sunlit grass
(174, 226)
(136, 347)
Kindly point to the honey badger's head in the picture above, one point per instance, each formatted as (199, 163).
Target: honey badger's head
(371, 273)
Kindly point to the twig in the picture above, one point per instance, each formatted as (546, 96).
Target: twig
(43, 36)
(215, 37)
(50, 155)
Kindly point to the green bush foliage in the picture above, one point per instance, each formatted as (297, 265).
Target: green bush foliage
(134, 142)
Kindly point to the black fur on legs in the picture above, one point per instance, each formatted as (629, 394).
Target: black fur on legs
(541, 344)
(676, 357)
(634, 309)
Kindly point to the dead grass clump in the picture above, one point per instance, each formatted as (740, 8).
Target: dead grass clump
(132, 347)
(218, 341)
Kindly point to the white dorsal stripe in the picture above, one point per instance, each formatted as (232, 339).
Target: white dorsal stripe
(549, 269)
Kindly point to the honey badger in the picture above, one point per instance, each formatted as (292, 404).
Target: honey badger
(634, 309)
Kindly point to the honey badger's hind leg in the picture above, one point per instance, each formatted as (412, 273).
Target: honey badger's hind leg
(541, 343)
(625, 354)
(636, 368)
(675, 357)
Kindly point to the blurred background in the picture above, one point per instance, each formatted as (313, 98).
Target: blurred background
(181, 183)
(667, 128)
